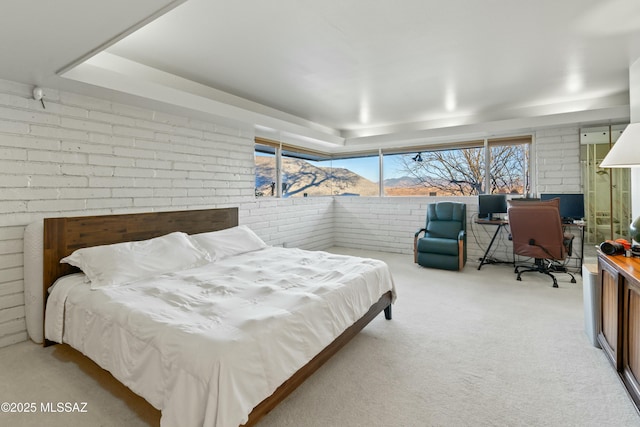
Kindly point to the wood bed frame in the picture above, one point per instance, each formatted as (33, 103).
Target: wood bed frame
(62, 236)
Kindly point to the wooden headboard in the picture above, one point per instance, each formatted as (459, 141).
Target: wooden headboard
(62, 236)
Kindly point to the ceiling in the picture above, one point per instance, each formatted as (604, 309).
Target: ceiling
(339, 75)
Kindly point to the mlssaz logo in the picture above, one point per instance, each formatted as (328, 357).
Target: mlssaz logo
(80, 407)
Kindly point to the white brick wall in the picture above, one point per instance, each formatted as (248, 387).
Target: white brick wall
(301, 222)
(557, 160)
(88, 156)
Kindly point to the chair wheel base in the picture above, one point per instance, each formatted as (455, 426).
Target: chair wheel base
(543, 267)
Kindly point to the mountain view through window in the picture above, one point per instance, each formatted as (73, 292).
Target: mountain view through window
(455, 172)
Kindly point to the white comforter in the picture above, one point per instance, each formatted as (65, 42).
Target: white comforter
(207, 345)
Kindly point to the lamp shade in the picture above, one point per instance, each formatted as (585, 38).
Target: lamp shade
(625, 153)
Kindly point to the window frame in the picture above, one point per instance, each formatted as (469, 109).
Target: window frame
(526, 140)
(280, 149)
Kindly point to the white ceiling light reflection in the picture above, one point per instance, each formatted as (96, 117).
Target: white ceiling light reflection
(575, 83)
(364, 116)
(450, 102)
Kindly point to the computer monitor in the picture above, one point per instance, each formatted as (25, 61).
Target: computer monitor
(571, 205)
(490, 204)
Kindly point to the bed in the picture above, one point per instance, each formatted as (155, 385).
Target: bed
(204, 371)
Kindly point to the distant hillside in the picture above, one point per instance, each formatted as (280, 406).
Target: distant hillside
(410, 186)
(302, 177)
(405, 181)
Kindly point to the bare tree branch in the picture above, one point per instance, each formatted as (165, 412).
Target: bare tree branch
(461, 171)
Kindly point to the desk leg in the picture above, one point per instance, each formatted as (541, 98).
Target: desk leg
(486, 253)
(581, 250)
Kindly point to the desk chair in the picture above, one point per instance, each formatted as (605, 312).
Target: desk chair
(444, 243)
(536, 230)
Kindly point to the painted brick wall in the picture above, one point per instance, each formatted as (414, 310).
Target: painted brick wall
(88, 156)
(557, 160)
(302, 222)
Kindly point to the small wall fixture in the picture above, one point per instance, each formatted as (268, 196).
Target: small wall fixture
(417, 157)
(38, 95)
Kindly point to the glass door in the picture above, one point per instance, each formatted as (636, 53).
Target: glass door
(607, 195)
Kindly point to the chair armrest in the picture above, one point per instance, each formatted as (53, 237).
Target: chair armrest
(567, 242)
(415, 243)
(462, 249)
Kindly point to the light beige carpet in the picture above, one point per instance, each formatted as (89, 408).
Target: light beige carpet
(475, 348)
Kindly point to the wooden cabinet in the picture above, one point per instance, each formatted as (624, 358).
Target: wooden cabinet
(609, 330)
(631, 340)
(619, 317)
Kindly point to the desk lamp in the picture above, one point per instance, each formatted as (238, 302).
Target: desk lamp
(625, 153)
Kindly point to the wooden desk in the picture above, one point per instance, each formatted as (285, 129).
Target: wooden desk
(618, 319)
(499, 223)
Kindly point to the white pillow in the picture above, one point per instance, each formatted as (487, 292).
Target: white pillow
(228, 242)
(124, 263)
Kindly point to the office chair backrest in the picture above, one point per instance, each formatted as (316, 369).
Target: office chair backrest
(535, 202)
(536, 230)
(446, 219)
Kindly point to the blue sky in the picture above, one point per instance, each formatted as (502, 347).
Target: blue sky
(367, 167)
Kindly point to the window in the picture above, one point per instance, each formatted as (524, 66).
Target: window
(455, 172)
(357, 176)
(285, 171)
(300, 173)
(509, 167)
(460, 171)
(266, 171)
(305, 175)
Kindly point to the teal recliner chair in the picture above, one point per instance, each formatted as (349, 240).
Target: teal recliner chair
(444, 243)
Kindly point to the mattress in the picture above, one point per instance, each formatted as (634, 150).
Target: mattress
(206, 345)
